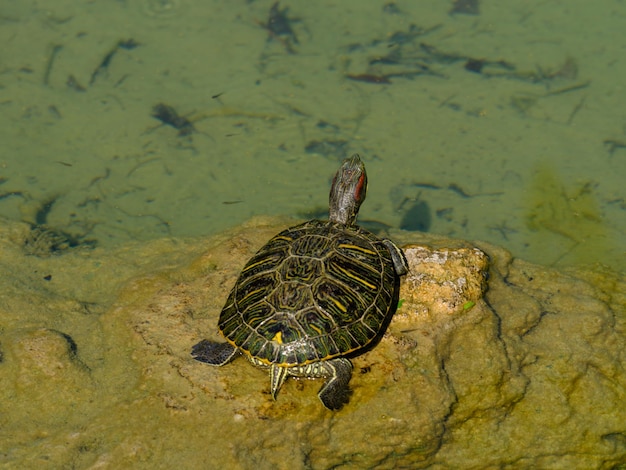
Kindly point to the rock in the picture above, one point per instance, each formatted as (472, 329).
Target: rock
(442, 282)
(520, 368)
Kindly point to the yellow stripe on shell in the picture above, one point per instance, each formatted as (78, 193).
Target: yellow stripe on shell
(249, 294)
(357, 248)
(338, 304)
(266, 258)
(254, 265)
(356, 278)
(319, 331)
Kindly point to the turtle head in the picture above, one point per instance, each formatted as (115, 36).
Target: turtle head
(348, 191)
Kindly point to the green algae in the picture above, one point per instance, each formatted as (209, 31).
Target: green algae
(565, 222)
(487, 386)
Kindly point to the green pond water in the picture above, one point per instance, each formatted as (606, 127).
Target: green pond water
(129, 121)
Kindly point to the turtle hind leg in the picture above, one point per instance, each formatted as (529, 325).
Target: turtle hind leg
(335, 392)
(216, 354)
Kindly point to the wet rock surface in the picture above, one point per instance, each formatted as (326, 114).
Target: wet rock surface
(489, 362)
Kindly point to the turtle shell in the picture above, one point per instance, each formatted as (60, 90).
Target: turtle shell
(314, 292)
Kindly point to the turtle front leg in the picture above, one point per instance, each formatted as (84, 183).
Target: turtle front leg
(335, 392)
(400, 263)
(216, 354)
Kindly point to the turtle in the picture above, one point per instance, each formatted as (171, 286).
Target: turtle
(313, 296)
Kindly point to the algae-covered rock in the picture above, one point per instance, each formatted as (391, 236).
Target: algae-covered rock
(490, 362)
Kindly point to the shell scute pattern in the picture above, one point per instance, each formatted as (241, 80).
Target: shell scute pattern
(313, 292)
